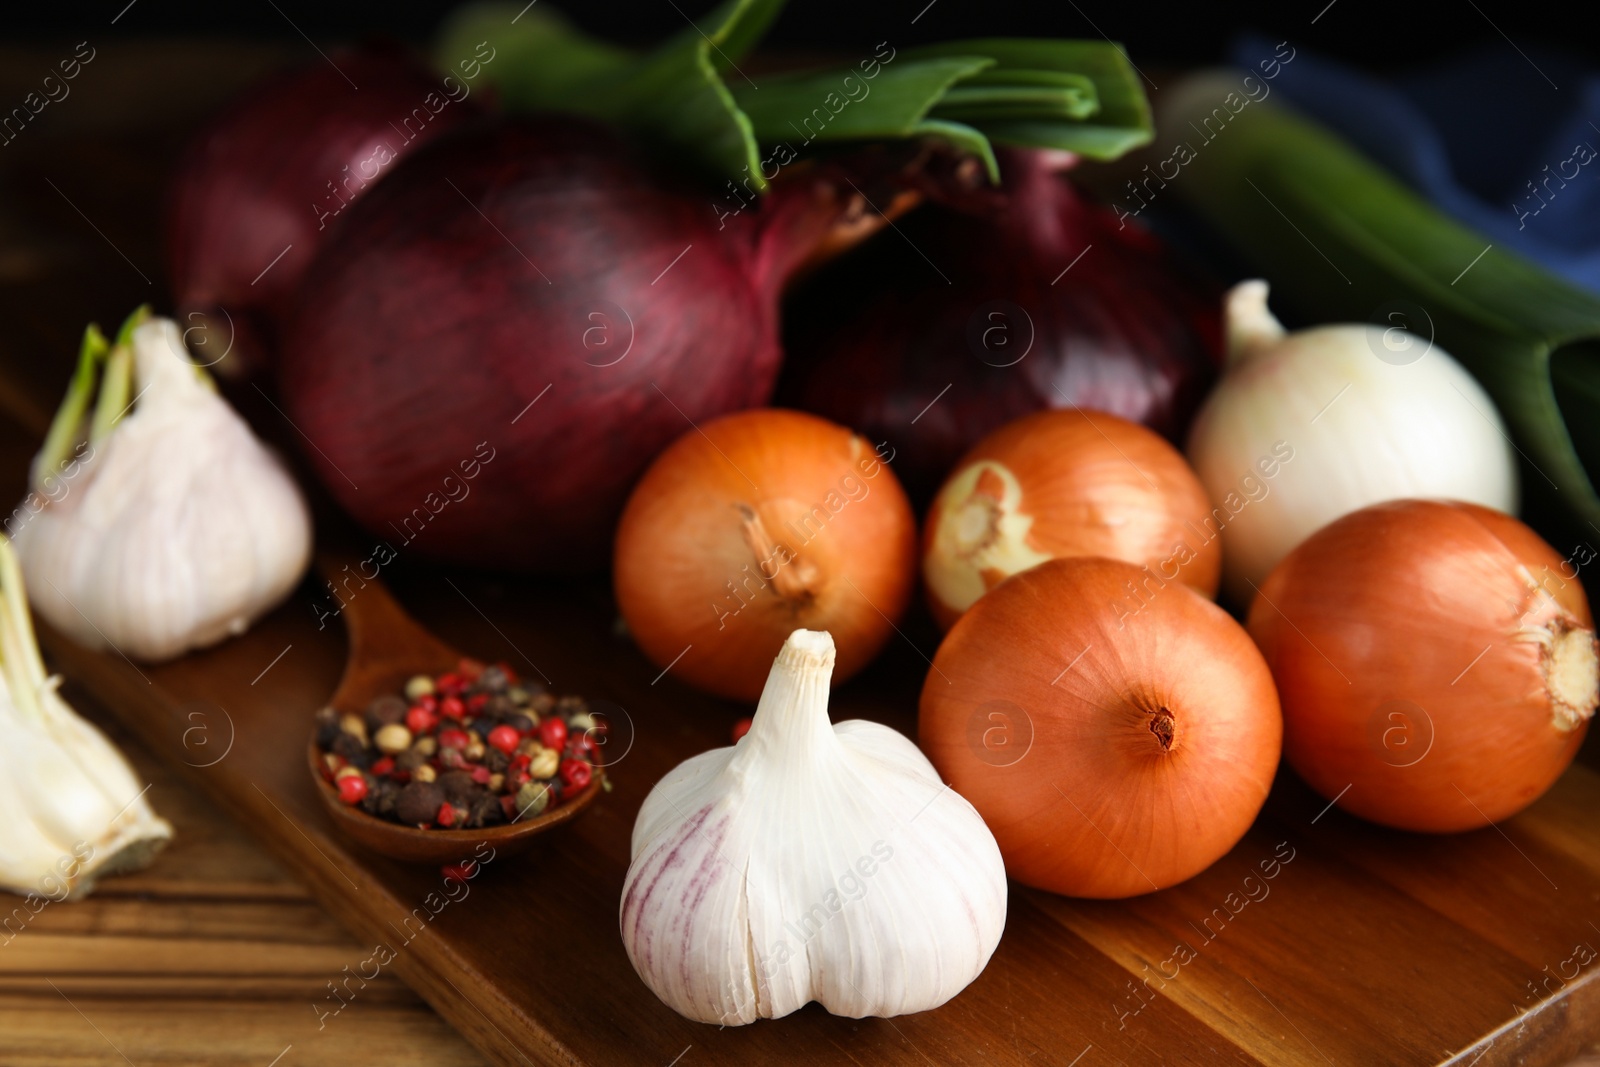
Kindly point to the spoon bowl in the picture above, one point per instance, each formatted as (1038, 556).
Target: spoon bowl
(387, 647)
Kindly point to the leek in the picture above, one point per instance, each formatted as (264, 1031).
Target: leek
(1339, 238)
(693, 95)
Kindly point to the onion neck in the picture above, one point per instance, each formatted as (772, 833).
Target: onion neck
(818, 212)
(1251, 327)
(792, 578)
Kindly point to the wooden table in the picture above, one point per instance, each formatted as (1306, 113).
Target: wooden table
(214, 956)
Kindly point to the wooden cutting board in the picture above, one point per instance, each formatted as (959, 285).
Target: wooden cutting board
(1367, 946)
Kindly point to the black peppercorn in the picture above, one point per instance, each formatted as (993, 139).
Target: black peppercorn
(458, 786)
(384, 710)
(350, 747)
(327, 728)
(419, 803)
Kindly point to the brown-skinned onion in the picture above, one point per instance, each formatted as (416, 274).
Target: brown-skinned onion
(1436, 662)
(1065, 483)
(755, 525)
(1112, 752)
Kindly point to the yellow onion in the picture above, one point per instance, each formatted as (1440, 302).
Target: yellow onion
(1065, 483)
(1436, 662)
(1111, 751)
(755, 525)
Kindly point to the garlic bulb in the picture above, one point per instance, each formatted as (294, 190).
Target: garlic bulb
(1309, 426)
(809, 862)
(73, 808)
(178, 528)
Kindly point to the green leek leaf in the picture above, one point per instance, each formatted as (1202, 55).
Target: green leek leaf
(692, 95)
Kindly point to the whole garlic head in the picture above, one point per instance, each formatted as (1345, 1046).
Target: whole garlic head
(809, 862)
(180, 529)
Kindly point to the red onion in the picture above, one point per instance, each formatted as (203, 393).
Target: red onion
(259, 188)
(530, 290)
(972, 316)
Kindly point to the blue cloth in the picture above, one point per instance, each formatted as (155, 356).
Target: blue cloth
(1485, 137)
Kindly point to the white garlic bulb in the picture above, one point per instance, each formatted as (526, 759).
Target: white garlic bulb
(1309, 426)
(180, 529)
(809, 862)
(73, 808)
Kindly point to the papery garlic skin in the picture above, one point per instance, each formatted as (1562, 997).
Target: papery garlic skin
(73, 808)
(1310, 426)
(181, 529)
(809, 862)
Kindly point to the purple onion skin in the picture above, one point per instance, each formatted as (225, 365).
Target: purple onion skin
(879, 336)
(275, 171)
(521, 262)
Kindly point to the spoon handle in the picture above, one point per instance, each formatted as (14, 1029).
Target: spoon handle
(386, 644)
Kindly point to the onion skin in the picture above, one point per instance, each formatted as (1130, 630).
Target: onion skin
(877, 339)
(426, 329)
(687, 572)
(256, 180)
(1399, 638)
(1065, 483)
(1101, 794)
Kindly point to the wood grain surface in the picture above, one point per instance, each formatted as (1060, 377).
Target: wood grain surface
(1371, 947)
(212, 957)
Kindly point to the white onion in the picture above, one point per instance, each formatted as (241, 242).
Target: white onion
(1309, 426)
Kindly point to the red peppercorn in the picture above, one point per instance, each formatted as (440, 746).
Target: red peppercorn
(520, 762)
(580, 744)
(428, 701)
(741, 728)
(383, 766)
(505, 738)
(452, 708)
(553, 733)
(421, 720)
(352, 788)
(450, 684)
(576, 773)
(470, 668)
(446, 816)
(508, 804)
(476, 701)
(519, 776)
(480, 774)
(452, 737)
(511, 675)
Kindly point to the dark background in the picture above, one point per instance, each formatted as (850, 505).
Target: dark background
(1368, 32)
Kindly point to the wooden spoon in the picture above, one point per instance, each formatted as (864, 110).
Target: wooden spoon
(387, 647)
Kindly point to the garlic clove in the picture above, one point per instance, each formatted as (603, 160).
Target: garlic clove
(75, 809)
(179, 530)
(809, 862)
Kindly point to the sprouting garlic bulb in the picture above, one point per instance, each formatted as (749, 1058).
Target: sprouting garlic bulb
(180, 529)
(809, 862)
(73, 808)
(1307, 427)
